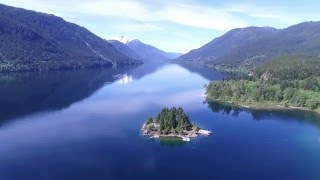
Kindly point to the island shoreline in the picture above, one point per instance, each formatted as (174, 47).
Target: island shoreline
(172, 122)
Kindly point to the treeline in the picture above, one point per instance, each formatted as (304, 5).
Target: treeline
(287, 81)
(172, 120)
(290, 68)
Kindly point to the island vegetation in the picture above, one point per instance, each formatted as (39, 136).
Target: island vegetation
(171, 122)
(287, 81)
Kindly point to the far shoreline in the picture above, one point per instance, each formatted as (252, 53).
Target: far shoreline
(265, 107)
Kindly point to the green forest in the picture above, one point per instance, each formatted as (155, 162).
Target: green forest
(32, 41)
(172, 120)
(292, 80)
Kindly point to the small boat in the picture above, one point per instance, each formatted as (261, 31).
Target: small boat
(205, 132)
(154, 136)
(185, 139)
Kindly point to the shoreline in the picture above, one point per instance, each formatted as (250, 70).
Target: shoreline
(171, 135)
(185, 136)
(267, 107)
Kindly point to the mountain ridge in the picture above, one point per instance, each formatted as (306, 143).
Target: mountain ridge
(32, 41)
(146, 52)
(253, 45)
(124, 49)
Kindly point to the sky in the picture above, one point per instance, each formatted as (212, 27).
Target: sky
(174, 25)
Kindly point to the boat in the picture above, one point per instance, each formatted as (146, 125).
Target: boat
(185, 139)
(204, 132)
(154, 136)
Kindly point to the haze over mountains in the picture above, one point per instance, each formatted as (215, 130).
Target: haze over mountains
(252, 45)
(144, 51)
(124, 49)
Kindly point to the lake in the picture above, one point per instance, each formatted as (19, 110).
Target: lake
(86, 125)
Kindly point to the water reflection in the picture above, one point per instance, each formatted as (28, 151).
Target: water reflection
(145, 69)
(100, 131)
(34, 92)
(205, 72)
(266, 114)
(125, 79)
(26, 93)
(172, 142)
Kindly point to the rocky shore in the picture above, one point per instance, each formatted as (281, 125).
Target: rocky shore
(152, 130)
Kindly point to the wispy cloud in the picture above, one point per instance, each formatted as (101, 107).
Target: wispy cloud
(148, 13)
(276, 14)
(185, 13)
(200, 16)
(189, 14)
(139, 27)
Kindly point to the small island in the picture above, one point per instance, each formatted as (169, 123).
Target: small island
(173, 122)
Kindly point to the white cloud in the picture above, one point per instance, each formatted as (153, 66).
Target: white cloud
(140, 27)
(269, 13)
(121, 9)
(189, 14)
(200, 16)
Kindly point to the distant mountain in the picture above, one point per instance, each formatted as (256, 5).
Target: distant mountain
(254, 45)
(173, 55)
(150, 53)
(36, 41)
(124, 49)
(139, 50)
(121, 39)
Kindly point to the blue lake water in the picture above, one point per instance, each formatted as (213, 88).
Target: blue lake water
(86, 125)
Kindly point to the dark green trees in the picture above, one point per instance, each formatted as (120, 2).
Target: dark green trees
(150, 120)
(32, 41)
(288, 81)
(173, 119)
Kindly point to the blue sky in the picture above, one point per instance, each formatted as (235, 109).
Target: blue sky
(174, 25)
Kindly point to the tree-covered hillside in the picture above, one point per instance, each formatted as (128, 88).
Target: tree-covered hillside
(36, 41)
(225, 44)
(293, 67)
(245, 48)
(286, 80)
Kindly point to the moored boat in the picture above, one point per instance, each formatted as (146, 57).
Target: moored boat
(185, 139)
(204, 132)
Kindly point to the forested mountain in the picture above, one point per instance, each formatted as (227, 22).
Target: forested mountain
(36, 41)
(225, 44)
(150, 53)
(248, 47)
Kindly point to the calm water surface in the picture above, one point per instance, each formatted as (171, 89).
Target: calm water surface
(86, 125)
